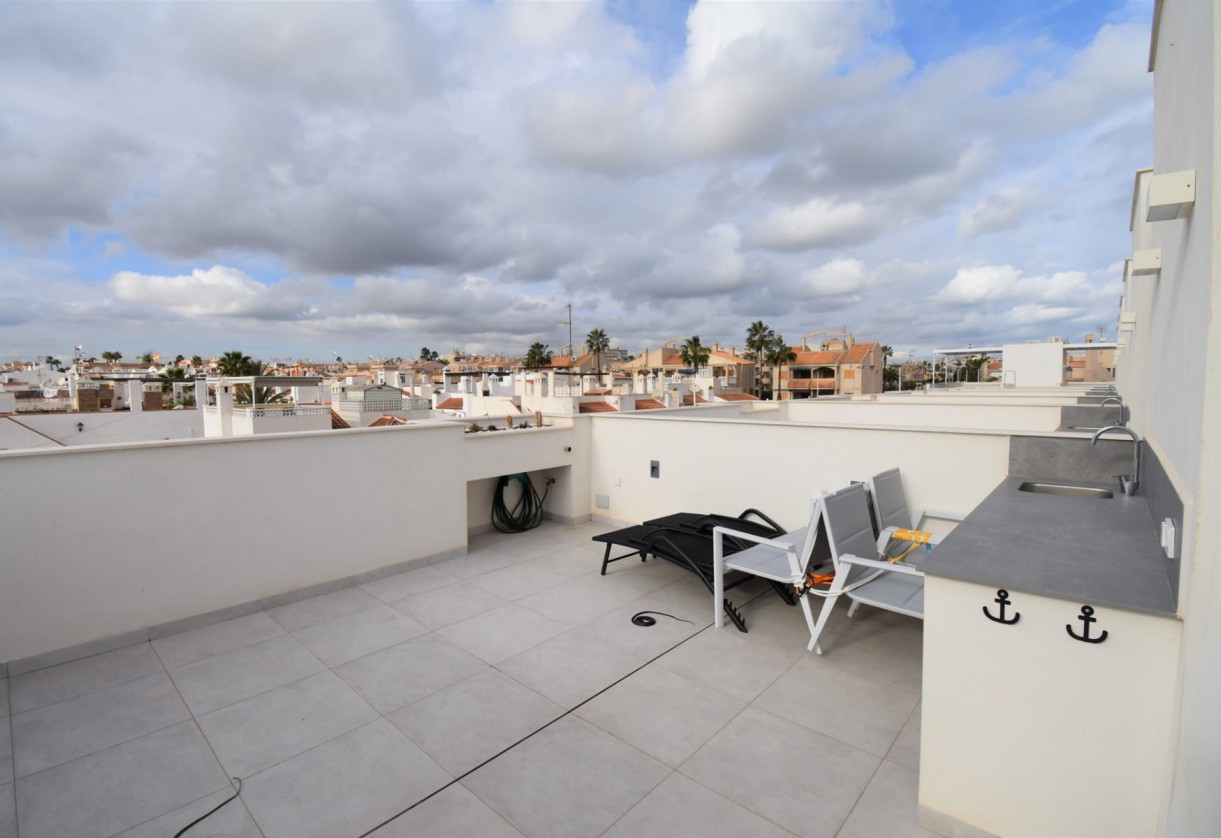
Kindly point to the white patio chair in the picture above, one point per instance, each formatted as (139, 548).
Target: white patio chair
(890, 508)
(841, 530)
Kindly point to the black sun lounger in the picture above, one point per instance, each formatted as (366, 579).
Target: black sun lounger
(688, 549)
(764, 527)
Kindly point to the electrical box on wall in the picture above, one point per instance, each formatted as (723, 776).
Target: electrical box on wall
(654, 468)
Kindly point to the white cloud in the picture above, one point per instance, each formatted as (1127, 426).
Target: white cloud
(1005, 282)
(989, 282)
(839, 276)
(1000, 210)
(457, 173)
(816, 223)
(1033, 313)
(216, 292)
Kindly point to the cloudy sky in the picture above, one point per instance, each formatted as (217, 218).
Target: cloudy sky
(297, 180)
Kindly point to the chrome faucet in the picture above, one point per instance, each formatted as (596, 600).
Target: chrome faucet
(1119, 403)
(1128, 483)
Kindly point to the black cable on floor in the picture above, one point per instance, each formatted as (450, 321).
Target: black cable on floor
(643, 618)
(565, 714)
(214, 810)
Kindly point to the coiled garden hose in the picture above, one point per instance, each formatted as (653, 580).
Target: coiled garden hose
(526, 514)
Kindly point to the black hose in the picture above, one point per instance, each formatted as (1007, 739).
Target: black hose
(526, 514)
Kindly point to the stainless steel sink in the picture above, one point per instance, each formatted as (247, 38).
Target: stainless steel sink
(1066, 491)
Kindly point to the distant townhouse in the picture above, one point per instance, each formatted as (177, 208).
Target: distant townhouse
(838, 366)
(727, 370)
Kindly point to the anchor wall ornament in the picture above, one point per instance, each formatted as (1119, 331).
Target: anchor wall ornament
(1002, 599)
(1086, 617)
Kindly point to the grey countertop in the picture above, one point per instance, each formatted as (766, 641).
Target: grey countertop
(1101, 552)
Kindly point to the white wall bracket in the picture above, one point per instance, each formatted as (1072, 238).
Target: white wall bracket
(1147, 262)
(1171, 195)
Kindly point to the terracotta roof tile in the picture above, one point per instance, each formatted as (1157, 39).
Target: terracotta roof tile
(338, 422)
(648, 404)
(387, 420)
(452, 403)
(596, 407)
(737, 397)
(811, 359)
(858, 352)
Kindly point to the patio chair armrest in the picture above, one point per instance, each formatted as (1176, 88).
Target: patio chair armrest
(897, 567)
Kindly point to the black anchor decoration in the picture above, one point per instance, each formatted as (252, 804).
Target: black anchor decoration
(1086, 617)
(1002, 599)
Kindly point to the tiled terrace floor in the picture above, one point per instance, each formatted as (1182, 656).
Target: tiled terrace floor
(507, 690)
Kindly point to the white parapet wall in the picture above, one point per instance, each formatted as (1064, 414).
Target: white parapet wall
(104, 540)
(726, 465)
(919, 412)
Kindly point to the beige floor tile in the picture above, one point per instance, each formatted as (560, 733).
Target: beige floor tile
(663, 714)
(232, 820)
(117, 788)
(568, 781)
(360, 634)
(69, 680)
(394, 677)
(229, 677)
(452, 813)
(680, 806)
(259, 732)
(392, 588)
(864, 713)
(470, 722)
(443, 607)
(496, 635)
(799, 779)
(888, 806)
(906, 749)
(323, 608)
(575, 602)
(734, 663)
(569, 668)
(192, 645)
(344, 787)
(67, 730)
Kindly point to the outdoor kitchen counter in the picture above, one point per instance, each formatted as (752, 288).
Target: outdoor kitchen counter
(1100, 551)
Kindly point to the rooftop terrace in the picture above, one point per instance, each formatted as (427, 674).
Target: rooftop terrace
(503, 692)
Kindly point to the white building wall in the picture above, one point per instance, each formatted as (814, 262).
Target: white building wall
(1176, 399)
(106, 427)
(85, 558)
(1032, 364)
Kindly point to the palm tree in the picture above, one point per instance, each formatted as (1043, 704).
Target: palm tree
(112, 357)
(597, 342)
(779, 353)
(169, 375)
(261, 395)
(537, 356)
(695, 354)
(889, 376)
(234, 363)
(196, 361)
(757, 338)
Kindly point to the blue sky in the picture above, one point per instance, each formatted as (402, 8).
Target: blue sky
(301, 179)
